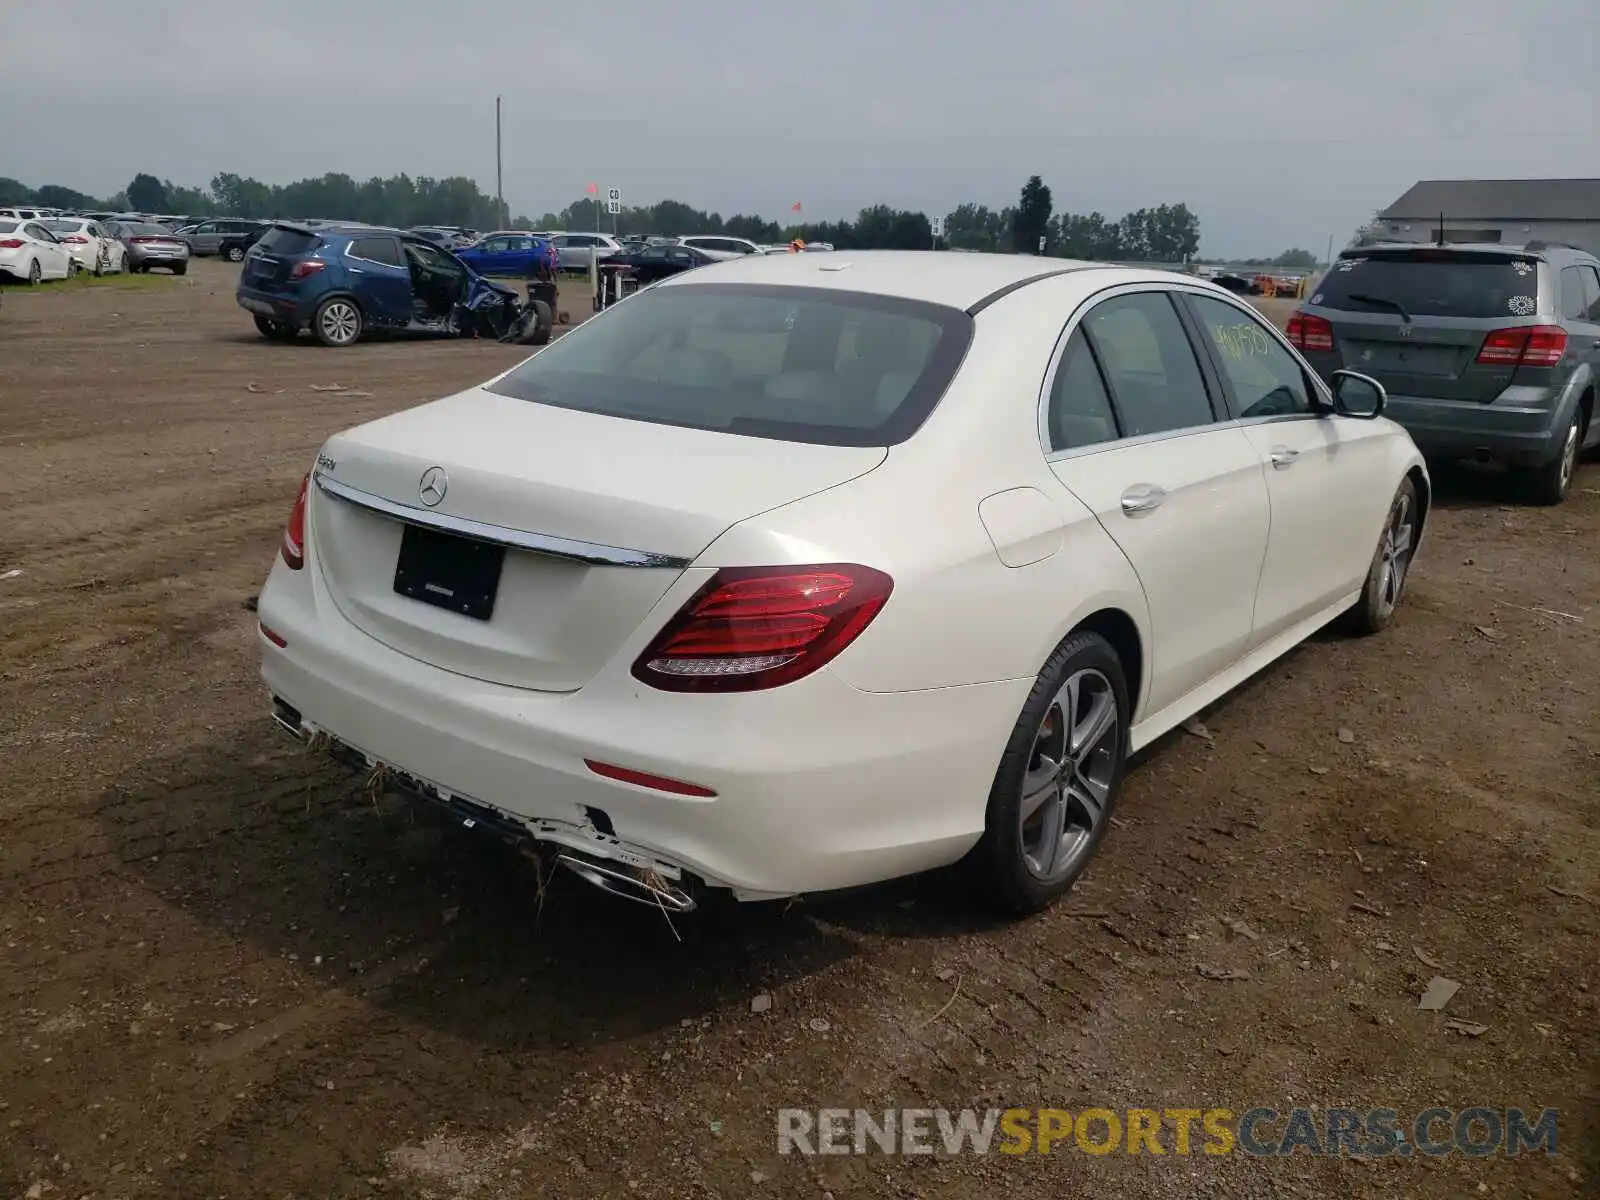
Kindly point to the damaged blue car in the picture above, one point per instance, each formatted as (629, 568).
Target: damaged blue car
(345, 281)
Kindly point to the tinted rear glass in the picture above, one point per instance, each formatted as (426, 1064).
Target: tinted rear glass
(8, 226)
(797, 364)
(281, 240)
(146, 230)
(1433, 283)
(55, 226)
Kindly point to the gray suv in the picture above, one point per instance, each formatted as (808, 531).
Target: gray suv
(1488, 352)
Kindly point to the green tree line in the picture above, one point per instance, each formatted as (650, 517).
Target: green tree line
(1164, 233)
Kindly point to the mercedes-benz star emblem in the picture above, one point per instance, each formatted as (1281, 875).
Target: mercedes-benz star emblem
(433, 486)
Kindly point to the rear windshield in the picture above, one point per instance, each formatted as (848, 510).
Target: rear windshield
(797, 364)
(8, 226)
(282, 240)
(145, 230)
(56, 226)
(1433, 283)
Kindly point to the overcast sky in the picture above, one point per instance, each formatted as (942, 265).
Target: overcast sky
(1279, 121)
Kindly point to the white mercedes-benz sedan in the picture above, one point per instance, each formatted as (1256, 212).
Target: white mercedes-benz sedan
(800, 572)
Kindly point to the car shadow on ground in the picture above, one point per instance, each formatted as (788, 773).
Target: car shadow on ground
(271, 846)
(1463, 485)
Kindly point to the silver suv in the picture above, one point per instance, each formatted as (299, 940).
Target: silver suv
(1488, 352)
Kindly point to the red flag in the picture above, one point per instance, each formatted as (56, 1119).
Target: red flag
(795, 207)
(593, 187)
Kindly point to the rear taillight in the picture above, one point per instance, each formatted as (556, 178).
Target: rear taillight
(76, 239)
(140, 241)
(11, 243)
(306, 268)
(294, 533)
(1308, 332)
(758, 627)
(1524, 346)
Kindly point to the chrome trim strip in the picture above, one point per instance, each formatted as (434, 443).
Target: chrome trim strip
(499, 535)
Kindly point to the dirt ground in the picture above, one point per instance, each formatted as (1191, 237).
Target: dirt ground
(226, 971)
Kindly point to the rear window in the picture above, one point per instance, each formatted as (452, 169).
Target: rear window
(796, 364)
(282, 240)
(8, 226)
(1433, 283)
(146, 230)
(62, 226)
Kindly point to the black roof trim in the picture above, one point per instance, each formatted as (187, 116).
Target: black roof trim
(1016, 284)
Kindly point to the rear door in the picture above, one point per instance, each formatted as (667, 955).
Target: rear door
(1135, 435)
(1415, 319)
(206, 238)
(382, 279)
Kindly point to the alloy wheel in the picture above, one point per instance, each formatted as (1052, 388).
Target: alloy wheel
(1399, 539)
(1068, 781)
(340, 323)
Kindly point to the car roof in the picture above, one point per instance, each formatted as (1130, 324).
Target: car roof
(961, 281)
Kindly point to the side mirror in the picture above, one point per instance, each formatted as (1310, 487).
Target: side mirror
(1358, 395)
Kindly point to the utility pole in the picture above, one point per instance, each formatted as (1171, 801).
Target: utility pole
(499, 188)
(1329, 259)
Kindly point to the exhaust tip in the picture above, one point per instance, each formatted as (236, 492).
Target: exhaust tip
(288, 717)
(629, 883)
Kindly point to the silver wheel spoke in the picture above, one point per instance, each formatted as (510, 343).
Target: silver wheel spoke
(1040, 787)
(1100, 720)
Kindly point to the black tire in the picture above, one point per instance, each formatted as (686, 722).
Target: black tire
(338, 322)
(1383, 589)
(181, 269)
(35, 273)
(234, 254)
(1552, 483)
(1007, 877)
(543, 323)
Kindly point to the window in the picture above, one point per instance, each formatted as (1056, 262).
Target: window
(377, 249)
(280, 239)
(800, 364)
(1432, 282)
(8, 226)
(1149, 364)
(40, 232)
(1265, 379)
(1574, 305)
(495, 245)
(1080, 412)
(206, 227)
(1591, 294)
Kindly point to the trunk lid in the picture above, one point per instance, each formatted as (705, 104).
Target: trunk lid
(1415, 318)
(579, 483)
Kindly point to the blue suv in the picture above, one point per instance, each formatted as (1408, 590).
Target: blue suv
(343, 281)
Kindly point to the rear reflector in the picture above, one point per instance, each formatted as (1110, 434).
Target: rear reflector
(1308, 332)
(294, 533)
(273, 636)
(644, 779)
(758, 627)
(1524, 346)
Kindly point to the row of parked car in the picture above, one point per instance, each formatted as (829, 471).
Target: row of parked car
(38, 248)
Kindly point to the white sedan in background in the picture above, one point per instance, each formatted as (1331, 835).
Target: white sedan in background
(795, 573)
(91, 246)
(31, 253)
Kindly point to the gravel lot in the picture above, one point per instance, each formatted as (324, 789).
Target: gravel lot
(226, 971)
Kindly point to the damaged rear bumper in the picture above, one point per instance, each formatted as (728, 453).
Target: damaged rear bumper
(630, 872)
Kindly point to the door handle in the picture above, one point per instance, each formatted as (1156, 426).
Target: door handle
(1283, 457)
(1142, 497)
(355, 270)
